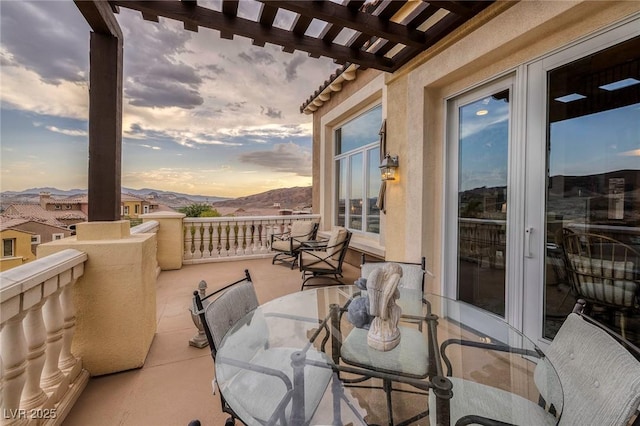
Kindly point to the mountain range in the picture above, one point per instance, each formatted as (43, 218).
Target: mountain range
(286, 197)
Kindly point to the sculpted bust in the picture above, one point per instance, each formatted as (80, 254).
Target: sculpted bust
(382, 289)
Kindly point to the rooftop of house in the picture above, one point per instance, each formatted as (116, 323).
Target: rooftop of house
(36, 213)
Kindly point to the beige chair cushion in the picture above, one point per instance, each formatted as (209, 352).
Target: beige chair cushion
(301, 230)
(314, 259)
(280, 245)
(604, 280)
(338, 235)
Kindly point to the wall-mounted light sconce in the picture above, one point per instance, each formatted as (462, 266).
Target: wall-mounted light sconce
(388, 167)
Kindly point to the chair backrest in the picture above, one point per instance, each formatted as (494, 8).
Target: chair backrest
(304, 230)
(338, 243)
(412, 273)
(602, 270)
(232, 303)
(600, 378)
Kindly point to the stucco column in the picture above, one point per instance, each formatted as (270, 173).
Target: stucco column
(115, 299)
(170, 237)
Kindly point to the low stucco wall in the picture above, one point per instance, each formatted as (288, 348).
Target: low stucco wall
(115, 299)
(170, 237)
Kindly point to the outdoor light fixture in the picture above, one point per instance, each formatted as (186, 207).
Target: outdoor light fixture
(388, 167)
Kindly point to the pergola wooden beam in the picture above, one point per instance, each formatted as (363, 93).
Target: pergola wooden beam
(105, 111)
(254, 30)
(359, 21)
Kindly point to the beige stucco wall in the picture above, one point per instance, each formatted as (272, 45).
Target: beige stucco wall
(170, 237)
(499, 40)
(520, 33)
(22, 249)
(115, 299)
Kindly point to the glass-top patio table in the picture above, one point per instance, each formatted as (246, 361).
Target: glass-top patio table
(311, 327)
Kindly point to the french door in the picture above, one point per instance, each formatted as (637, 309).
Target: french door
(482, 253)
(550, 149)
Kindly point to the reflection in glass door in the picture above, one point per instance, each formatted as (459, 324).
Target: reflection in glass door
(483, 145)
(593, 186)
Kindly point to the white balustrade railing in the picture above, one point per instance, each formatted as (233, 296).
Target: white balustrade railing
(228, 238)
(37, 323)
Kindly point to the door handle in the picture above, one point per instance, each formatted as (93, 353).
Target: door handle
(527, 242)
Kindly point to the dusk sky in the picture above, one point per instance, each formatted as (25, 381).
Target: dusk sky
(202, 115)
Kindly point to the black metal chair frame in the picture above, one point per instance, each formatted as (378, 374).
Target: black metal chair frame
(291, 255)
(580, 308)
(366, 372)
(322, 265)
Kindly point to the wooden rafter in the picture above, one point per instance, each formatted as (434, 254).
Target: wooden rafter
(375, 31)
(208, 18)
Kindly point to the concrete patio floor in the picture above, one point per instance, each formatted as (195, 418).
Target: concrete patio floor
(174, 386)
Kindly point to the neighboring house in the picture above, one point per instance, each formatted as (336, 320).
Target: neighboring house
(53, 217)
(521, 123)
(78, 203)
(131, 207)
(16, 244)
(41, 232)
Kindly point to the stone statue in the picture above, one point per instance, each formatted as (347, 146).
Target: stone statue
(382, 289)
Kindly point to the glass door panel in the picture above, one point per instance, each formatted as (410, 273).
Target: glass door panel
(483, 144)
(593, 178)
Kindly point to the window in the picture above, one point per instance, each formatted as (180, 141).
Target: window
(55, 237)
(35, 239)
(126, 210)
(8, 247)
(357, 175)
(136, 208)
(58, 207)
(145, 209)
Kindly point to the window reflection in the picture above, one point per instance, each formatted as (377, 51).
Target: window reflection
(593, 180)
(482, 201)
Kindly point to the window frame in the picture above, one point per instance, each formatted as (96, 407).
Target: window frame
(37, 239)
(346, 156)
(57, 236)
(13, 247)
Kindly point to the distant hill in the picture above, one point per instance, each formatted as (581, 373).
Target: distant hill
(171, 199)
(287, 198)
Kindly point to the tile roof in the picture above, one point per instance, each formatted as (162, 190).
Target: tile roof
(36, 213)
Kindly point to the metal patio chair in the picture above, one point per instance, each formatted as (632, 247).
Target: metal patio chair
(599, 373)
(288, 244)
(260, 372)
(325, 261)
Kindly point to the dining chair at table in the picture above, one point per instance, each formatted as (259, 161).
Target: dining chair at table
(604, 272)
(325, 262)
(408, 360)
(287, 244)
(411, 286)
(599, 381)
(264, 376)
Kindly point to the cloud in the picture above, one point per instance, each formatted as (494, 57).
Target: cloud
(156, 76)
(68, 132)
(49, 38)
(291, 67)
(270, 112)
(254, 57)
(283, 158)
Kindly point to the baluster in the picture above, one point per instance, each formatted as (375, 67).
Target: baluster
(234, 239)
(216, 240)
(252, 238)
(188, 241)
(69, 364)
(36, 337)
(208, 249)
(224, 240)
(244, 245)
(197, 241)
(13, 350)
(52, 378)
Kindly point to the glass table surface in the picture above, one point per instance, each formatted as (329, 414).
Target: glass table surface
(286, 363)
